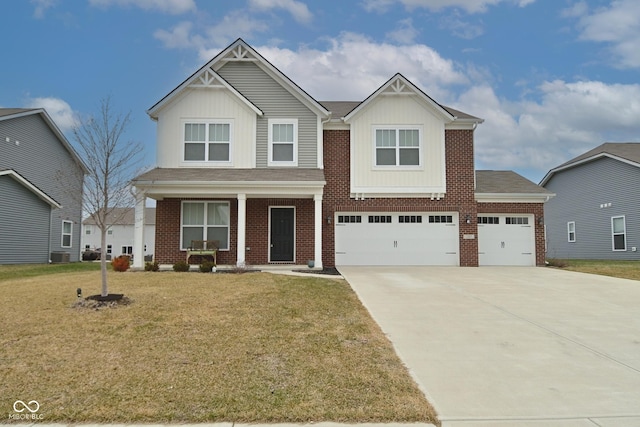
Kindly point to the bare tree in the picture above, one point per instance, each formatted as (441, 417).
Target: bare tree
(111, 162)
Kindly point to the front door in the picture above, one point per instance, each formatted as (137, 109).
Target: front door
(282, 234)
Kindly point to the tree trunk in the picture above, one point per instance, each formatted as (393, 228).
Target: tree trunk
(103, 261)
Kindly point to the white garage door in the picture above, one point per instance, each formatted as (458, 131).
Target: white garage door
(393, 238)
(506, 240)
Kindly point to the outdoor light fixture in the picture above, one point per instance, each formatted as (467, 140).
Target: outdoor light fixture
(328, 220)
(79, 292)
(468, 218)
(541, 220)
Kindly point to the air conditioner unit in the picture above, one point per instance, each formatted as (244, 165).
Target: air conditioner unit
(60, 257)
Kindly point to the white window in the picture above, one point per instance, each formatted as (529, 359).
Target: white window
(618, 233)
(127, 250)
(205, 221)
(109, 232)
(283, 142)
(207, 142)
(109, 247)
(571, 231)
(67, 234)
(398, 146)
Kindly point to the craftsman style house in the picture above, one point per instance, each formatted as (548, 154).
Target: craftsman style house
(247, 158)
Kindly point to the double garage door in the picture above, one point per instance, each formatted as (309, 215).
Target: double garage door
(395, 238)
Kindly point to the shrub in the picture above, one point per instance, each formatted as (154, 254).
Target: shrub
(120, 263)
(181, 266)
(206, 266)
(151, 266)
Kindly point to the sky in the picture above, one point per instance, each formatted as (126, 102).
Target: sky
(551, 78)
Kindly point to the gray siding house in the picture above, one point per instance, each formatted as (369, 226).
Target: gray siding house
(596, 211)
(40, 218)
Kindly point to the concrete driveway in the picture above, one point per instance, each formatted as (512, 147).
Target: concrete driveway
(503, 346)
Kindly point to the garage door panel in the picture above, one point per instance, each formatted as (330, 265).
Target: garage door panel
(396, 239)
(505, 239)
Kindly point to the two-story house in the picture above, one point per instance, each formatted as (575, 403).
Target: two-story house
(596, 213)
(248, 158)
(41, 178)
(120, 234)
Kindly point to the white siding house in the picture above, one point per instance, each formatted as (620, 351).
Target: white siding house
(120, 235)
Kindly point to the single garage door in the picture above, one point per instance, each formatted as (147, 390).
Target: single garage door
(505, 239)
(395, 238)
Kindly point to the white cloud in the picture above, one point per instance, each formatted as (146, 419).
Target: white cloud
(460, 28)
(569, 119)
(353, 66)
(298, 10)
(41, 7)
(212, 39)
(617, 25)
(470, 6)
(405, 33)
(179, 37)
(59, 110)
(173, 7)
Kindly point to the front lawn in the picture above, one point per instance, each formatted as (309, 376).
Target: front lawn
(622, 269)
(196, 347)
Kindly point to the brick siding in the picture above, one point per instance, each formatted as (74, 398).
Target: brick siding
(459, 197)
(167, 250)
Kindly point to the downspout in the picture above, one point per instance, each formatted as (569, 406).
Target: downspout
(50, 234)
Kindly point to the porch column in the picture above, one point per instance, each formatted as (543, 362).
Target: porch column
(138, 232)
(242, 225)
(317, 199)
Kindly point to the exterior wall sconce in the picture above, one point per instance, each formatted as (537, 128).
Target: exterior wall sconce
(541, 220)
(328, 220)
(467, 218)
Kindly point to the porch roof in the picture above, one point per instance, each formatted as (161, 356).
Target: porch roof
(259, 182)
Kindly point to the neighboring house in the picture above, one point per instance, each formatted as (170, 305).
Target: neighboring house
(120, 233)
(248, 158)
(39, 171)
(596, 213)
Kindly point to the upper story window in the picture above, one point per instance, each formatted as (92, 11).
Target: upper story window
(395, 146)
(283, 142)
(207, 141)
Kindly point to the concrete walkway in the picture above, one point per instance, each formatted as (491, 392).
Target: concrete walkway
(504, 346)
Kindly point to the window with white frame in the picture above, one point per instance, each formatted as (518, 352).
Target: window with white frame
(397, 146)
(207, 142)
(127, 250)
(571, 231)
(67, 234)
(205, 221)
(283, 142)
(618, 233)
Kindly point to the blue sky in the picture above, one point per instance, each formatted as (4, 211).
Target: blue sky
(552, 79)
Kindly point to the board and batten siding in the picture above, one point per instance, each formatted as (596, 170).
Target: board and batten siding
(401, 111)
(44, 161)
(24, 224)
(276, 103)
(580, 192)
(202, 104)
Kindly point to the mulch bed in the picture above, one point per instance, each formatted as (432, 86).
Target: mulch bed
(96, 302)
(331, 271)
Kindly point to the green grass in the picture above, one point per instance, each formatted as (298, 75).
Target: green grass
(18, 271)
(621, 269)
(193, 347)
